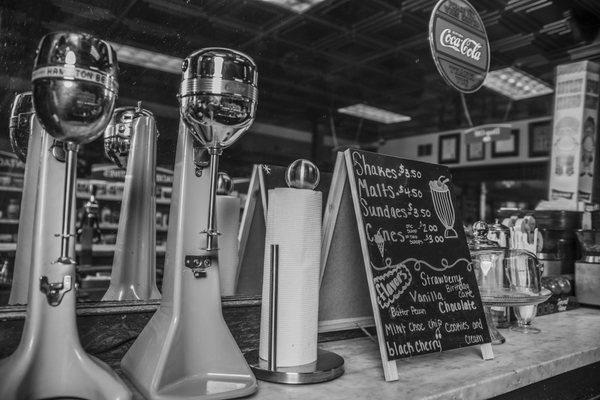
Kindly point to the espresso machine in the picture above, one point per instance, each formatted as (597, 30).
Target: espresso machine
(74, 91)
(130, 143)
(186, 351)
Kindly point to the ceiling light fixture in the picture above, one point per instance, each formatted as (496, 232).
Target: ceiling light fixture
(298, 6)
(147, 59)
(516, 84)
(373, 114)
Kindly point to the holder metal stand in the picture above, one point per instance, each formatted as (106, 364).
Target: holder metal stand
(327, 367)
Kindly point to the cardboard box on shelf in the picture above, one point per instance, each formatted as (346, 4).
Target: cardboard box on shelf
(574, 134)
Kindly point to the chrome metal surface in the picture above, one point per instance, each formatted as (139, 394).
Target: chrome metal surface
(218, 95)
(19, 127)
(211, 230)
(224, 184)
(480, 230)
(198, 265)
(273, 299)
(70, 178)
(480, 240)
(74, 85)
(118, 134)
(201, 158)
(302, 174)
(59, 150)
(327, 367)
(55, 291)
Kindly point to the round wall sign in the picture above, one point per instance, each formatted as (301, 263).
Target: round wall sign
(459, 44)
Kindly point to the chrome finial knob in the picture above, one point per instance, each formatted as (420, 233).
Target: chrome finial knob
(302, 174)
(480, 230)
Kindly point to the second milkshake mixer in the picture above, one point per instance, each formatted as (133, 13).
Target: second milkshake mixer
(186, 351)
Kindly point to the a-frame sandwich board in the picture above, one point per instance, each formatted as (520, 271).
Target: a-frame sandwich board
(414, 255)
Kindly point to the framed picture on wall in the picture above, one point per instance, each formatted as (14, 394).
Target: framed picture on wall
(424, 150)
(540, 138)
(475, 151)
(449, 148)
(508, 147)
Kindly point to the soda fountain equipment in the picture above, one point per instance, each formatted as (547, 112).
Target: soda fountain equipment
(19, 126)
(130, 143)
(74, 92)
(186, 351)
(26, 137)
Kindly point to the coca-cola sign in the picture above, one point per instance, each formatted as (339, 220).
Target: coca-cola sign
(463, 45)
(459, 44)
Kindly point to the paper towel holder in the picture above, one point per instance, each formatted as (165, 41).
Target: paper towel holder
(327, 367)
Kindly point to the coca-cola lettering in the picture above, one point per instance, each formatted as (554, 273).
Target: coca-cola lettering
(461, 44)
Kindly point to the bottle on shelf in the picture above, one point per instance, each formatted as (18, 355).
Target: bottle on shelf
(13, 209)
(5, 277)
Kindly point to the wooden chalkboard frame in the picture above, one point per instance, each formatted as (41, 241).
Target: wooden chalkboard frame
(251, 207)
(352, 307)
(343, 173)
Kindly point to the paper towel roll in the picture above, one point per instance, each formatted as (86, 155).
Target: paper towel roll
(294, 223)
(228, 223)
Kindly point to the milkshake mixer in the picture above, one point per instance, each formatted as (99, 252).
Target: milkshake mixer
(19, 126)
(186, 351)
(26, 137)
(130, 143)
(74, 91)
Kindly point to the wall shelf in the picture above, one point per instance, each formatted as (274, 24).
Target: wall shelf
(96, 248)
(10, 189)
(113, 197)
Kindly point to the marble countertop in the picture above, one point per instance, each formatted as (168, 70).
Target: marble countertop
(568, 340)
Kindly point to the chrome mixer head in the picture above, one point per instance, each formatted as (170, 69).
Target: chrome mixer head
(74, 85)
(218, 95)
(19, 127)
(118, 133)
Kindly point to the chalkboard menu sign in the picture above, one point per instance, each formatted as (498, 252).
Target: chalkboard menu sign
(421, 281)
